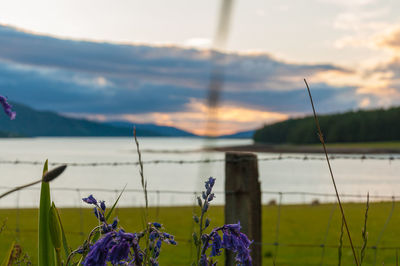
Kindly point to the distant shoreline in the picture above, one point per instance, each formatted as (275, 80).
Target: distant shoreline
(363, 148)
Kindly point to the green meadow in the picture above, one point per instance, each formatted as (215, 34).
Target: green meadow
(303, 228)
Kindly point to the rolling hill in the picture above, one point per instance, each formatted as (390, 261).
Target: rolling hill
(33, 123)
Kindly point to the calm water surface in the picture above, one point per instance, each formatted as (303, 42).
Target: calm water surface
(353, 176)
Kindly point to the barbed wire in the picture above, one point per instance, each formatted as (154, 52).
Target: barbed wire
(202, 161)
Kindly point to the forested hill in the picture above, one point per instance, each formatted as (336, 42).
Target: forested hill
(359, 126)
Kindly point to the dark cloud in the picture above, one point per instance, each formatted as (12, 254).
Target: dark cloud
(90, 77)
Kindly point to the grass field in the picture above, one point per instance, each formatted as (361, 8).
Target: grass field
(381, 145)
(299, 225)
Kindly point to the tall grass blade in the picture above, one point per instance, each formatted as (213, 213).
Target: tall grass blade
(142, 179)
(8, 259)
(64, 239)
(114, 205)
(46, 249)
(321, 138)
(364, 233)
(55, 233)
(146, 210)
(340, 249)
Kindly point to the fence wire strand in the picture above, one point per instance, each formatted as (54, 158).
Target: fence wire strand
(205, 161)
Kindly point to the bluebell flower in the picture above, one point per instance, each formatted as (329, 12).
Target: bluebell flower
(209, 185)
(99, 215)
(153, 235)
(232, 239)
(216, 245)
(203, 260)
(207, 223)
(211, 197)
(203, 194)
(237, 242)
(157, 225)
(99, 251)
(157, 249)
(205, 207)
(90, 200)
(120, 247)
(7, 108)
(114, 223)
(119, 252)
(102, 205)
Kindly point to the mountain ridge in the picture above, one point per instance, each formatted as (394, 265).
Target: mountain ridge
(34, 123)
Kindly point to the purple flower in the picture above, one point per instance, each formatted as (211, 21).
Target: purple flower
(237, 242)
(203, 260)
(98, 252)
(102, 205)
(211, 197)
(115, 248)
(209, 185)
(98, 214)
(157, 225)
(216, 245)
(119, 252)
(232, 239)
(153, 235)
(114, 223)
(90, 200)
(7, 107)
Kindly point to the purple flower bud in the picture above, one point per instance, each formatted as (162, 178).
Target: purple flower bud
(157, 225)
(211, 197)
(7, 108)
(90, 200)
(114, 223)
(204, 196)
(210, 183)
(203, 260)
(98, 214)
(102, 205)
(207, 223)
(158, 244)
(153, 235)
(216, 245)
(199, 202)
(205, 207)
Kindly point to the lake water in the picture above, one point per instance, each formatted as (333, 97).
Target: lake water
(172, 183)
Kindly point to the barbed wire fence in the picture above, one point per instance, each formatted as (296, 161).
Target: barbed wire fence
(204, 161)
(317, 197)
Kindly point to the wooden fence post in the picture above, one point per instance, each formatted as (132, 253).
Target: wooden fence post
(243, 199)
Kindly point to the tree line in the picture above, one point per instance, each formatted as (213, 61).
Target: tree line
(354, 126)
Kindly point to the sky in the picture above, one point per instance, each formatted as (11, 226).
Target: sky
(150, 61)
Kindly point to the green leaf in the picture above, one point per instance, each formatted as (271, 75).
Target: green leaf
(64, 239)
(115, 204)
(54, 227)
(6, 260)
(46, 249)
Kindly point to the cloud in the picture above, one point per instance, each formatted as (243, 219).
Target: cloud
(390, 39)
(360, 27)
(230, 118)
(103, 80)
(352, 3)
(200, 43)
